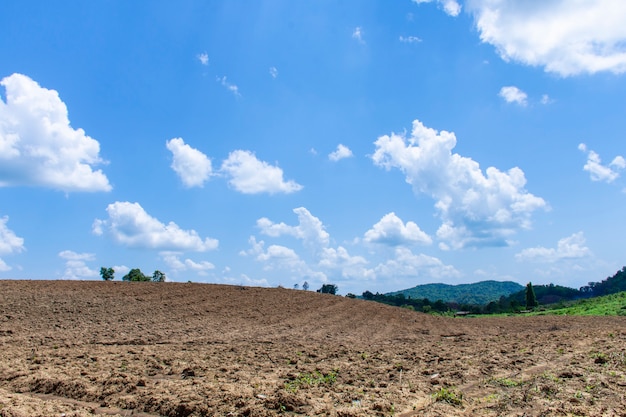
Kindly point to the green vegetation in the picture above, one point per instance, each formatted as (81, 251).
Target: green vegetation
(478, 293)
(135, 275)
(328, 289)
(107, 274)
(531, 298)
(450, 396)
(543, 299)
(306, 379)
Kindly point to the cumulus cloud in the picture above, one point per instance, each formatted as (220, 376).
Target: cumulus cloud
(130, 225)
(406, 263)
(273, 72)
(192, 166)
(233, 88)
(451, 7)
(310, 229)
(390, 230)
(278, 257)
(174, 262)
(341, 152)
(76, 265)
(572, 247)
(599, 172)
(39, 147)
(203, 58)
(10, 243)
(512, 94)
(476, 209)
(358, 34)
(564, 37)
(249, 175)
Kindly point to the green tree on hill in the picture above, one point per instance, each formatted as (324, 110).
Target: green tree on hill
(107, 274)
(158, 276)
(531, 299)
(328, 289)
(135, 275)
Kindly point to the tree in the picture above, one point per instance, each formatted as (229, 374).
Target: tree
(328, 289)
(158, 276)
(135, 275)
(296, 286)
(531, 299)
(305, 286)
(107, 274)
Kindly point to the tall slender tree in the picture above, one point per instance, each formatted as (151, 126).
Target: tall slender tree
(531, 298)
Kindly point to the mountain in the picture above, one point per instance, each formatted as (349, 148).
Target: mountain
(478, 293)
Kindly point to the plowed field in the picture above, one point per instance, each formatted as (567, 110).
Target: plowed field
(173, 349)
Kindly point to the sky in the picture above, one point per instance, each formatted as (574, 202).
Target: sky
(370, 144)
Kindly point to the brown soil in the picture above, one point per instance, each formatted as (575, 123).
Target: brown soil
(150, 349)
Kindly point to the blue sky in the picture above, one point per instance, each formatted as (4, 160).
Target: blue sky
(375, 145)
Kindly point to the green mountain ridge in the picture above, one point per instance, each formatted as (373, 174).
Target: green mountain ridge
(482, 292)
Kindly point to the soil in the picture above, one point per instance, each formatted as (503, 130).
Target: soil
(171, 349)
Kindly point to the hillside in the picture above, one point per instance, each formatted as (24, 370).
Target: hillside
(82, 349)
(481, 292)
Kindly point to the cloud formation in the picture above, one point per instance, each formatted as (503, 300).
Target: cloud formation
(39, 147)
(599, 172)
(203, 58)
(451, 7)
(358, 34)
(76, 265)
(476, 209)
(341, 152)
(512, 94)
(406, 263)
(230, 87)
(130, 225)
(409, 39)
(273, 72)
(174, 262)
(390, 230)
(192, 166)
(310, 229)
(572, 247)
(564, 37)
(249, 175)
(10, 243)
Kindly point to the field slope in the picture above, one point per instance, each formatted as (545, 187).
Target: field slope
(166, 349)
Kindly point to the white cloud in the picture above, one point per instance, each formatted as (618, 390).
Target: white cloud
(309, 229)
(341, 153)
(230, 87)
(358, 34)
(130, 225)
(572, 247)
(451, 7)
(545, 99)
(248, 175)
(512, 94)
(406, 263)
(173, 261)
(192, 166)
(278, 257)
(599, 172)
(10, 243)
(409, 39)
(390, 230)
(38, 147)
(203, 58)
(476, 210)
(76, 265)
(564, 37)
(273, 72)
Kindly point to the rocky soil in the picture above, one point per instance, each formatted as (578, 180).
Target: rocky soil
(171, 349)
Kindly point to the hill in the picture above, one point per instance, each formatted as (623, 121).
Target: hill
(85, 349)
(477, 293)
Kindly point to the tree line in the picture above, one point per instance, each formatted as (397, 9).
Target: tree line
(134, 275)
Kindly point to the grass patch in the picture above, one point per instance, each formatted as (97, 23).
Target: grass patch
(311, 379)
(450, 396)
